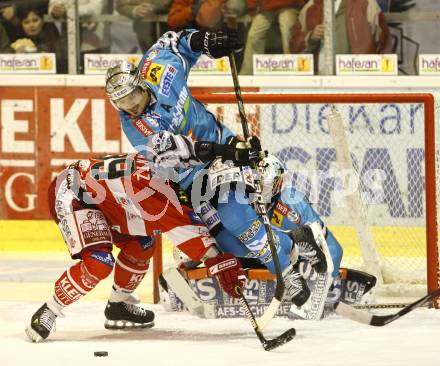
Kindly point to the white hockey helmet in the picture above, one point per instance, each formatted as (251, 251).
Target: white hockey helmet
(122, 80)
(272, 178)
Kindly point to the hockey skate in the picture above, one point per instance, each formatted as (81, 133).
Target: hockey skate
(41, 325)
(305, 245)
(296, 286)
(122, 315)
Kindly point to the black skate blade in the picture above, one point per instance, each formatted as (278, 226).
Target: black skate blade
(287, 336)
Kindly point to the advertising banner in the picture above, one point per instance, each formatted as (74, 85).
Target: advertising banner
(206, 65)
(366, 64)
(283, 64)
(429, 64)
(39, 63)
(98, 63)
(42, 129)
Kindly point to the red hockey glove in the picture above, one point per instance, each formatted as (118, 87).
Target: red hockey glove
(228, 272)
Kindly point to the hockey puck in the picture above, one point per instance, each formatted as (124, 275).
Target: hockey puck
(100, 353)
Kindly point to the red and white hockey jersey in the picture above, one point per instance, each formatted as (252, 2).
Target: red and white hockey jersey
(134, 200)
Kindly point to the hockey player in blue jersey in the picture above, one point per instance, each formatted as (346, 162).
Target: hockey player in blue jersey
(154, 97)
(288, 210)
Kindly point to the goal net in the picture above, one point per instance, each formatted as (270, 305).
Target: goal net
(367, 163)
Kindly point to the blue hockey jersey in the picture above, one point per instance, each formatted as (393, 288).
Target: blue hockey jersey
(165, 68)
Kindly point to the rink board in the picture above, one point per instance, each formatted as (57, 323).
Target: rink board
(43, 235)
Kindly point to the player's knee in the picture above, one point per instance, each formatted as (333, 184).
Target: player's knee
(99, 263)
(134, 259)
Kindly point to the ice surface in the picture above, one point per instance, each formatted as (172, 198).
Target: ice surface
(180, 338)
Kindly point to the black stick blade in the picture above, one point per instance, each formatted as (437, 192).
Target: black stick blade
(287, 336)
(365, 317)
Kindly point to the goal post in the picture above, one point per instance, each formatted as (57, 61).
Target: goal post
(391, 144)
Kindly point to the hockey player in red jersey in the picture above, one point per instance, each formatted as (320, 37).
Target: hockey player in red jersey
(119, 200)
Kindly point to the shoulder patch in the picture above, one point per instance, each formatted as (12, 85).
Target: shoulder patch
(154, 73)
(277, 219)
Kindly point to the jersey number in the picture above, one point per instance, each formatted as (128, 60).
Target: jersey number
(115, 168)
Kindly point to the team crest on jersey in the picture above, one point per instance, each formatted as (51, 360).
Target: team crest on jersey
(277, 219)
(154, 73)
(167, 80)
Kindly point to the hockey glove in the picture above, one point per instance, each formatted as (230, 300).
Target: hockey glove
(216, 44)
(228, 272)
(246, 152)
(240, 153)
(170, 151)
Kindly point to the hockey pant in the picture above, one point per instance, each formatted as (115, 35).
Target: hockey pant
(243, 226)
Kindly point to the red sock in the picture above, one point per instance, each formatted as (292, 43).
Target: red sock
(82, 277)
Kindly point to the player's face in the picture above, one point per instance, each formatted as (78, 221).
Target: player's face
(135, 102)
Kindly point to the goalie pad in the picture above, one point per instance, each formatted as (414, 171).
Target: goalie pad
(352, 287)
(209, 301)
(314, 307)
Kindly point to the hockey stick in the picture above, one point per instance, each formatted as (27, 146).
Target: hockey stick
(268, 344)
(365, 317)
(260, 206)
(182, 289)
